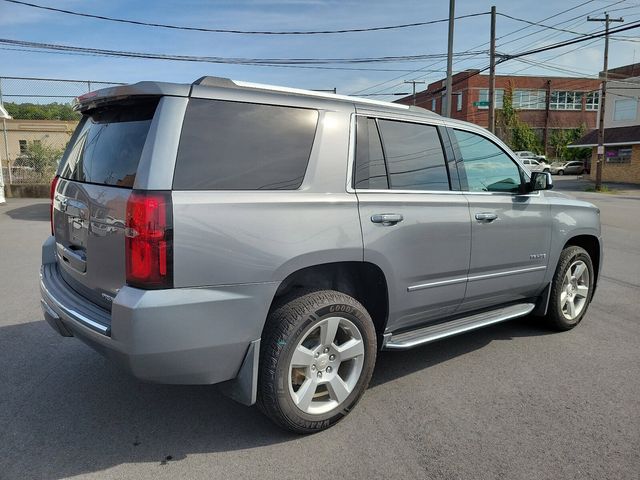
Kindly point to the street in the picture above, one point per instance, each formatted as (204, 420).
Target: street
(512, 401)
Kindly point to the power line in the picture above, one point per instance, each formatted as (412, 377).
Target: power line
(226, 60)
(240, 32)
(486, 43)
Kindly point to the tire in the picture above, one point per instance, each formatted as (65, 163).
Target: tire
(546, 170)
(560, 172)
(566, 292)
(324, 386)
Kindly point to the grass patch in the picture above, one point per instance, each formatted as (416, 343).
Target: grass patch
(603, 189)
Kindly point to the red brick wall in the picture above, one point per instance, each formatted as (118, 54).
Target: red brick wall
(470, 85)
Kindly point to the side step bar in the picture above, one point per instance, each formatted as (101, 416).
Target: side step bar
(413, 338)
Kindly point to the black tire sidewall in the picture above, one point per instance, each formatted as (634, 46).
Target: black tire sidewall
(342, 306)
(567, 258)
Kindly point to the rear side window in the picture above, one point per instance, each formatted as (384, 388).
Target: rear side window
(243, 146)
(370, 171)
(414, 155)
(106, 147)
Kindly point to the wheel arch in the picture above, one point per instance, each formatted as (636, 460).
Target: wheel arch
(591, 244)
(363, 281)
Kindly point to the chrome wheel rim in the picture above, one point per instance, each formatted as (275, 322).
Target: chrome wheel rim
(326, 365)
(575, 290)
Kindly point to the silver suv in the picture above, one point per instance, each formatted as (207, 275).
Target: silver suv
(273, 240)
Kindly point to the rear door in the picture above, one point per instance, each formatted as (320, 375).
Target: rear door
(415, 222)
(96, 176)
(510, 230)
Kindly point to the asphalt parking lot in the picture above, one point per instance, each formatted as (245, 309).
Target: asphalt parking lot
(512, 401)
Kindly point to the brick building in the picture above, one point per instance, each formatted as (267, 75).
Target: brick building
(544, 103)
(622, 128)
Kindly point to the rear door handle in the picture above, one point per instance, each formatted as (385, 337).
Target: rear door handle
(486, 217)
(387, 219)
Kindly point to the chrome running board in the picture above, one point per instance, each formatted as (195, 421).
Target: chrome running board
(413, 338)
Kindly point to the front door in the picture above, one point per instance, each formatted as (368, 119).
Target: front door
(414, 226)
(510, 230)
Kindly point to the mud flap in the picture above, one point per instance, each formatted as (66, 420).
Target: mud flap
(244, 388)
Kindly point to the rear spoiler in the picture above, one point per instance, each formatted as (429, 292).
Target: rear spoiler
(141, 89)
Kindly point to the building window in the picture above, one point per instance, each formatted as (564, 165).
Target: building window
(566, 101)
(618, 155)
(433, 104)
(625, 109)
(593, 101)
(23, 146)
(459, 104)
(530, 99)
(484, 97)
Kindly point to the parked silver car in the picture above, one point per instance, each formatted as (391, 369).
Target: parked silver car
(274, 240)
(568, 168)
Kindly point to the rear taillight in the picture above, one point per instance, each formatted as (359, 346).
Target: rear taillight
(54, 184)
(149, 240)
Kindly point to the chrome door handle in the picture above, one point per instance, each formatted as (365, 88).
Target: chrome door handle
(486, 217)
(387, 219)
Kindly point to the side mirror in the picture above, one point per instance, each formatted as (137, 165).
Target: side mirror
(540, 181)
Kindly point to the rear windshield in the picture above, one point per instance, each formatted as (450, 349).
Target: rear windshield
(107, 145)
(243, 146)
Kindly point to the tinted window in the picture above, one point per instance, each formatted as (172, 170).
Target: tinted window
(486, 166)
(243, 146)
(415, 160)
(370, 171)
(107, 145)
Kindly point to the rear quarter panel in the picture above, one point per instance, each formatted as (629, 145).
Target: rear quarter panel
(231, 237)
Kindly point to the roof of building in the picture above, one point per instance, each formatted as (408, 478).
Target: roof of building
(612, 136)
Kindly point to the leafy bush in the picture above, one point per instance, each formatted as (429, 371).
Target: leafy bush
(49, 111)
(560, 139)
(41, 157)
(514, 132)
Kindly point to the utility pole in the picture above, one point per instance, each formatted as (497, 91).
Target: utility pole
(413, 82)
(449, 83)
(547, 108)
(605, 69)
(492, 73)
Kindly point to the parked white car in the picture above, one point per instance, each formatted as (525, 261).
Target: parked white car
(527, 154)
(535, 166)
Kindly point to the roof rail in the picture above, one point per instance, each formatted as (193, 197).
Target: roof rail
(228, 83)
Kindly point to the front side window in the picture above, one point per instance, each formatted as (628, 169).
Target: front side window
(243, 146)
(529, 99)
(486, 166)
(414, 156)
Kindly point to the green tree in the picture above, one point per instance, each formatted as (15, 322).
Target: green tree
(41, 157)
(513, 131)
(48, 111)
(561, 139)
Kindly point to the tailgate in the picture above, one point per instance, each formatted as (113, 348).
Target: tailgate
(97, 174)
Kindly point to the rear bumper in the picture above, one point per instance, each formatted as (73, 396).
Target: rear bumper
(179, 336)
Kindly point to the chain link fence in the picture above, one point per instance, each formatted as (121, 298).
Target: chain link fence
(37, 122)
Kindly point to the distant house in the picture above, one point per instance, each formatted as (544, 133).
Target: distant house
(622, 128)
(19, 133)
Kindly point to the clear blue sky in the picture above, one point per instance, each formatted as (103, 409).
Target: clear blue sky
(25, 23)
